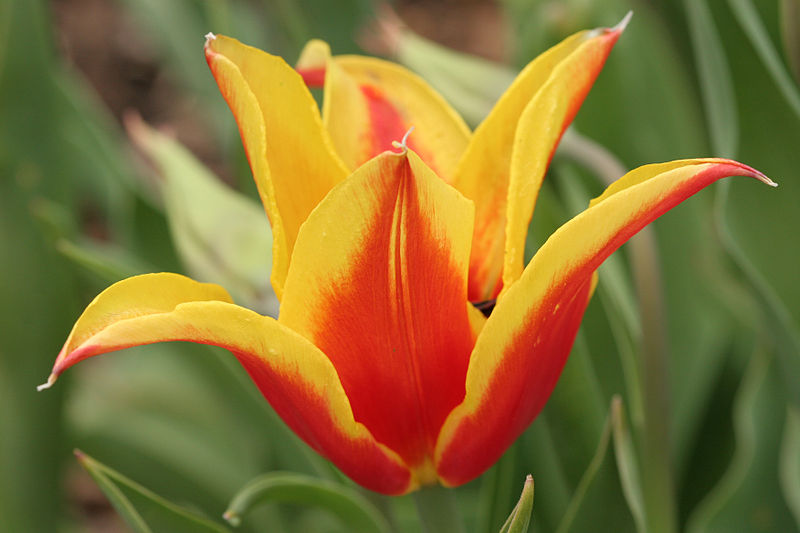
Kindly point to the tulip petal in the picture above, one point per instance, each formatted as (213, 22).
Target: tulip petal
(540, 128)
(292, 158)
(293, 375)
(313, 62)
(369, 102)
(524, 344)
(507, 157)
(378, 283)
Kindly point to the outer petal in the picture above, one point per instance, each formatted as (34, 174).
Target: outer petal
(524, 344)
(291, 156)
(294, 376)
(508, 155)
(378, 282)
(369, 103)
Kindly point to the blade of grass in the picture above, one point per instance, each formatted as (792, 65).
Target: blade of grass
(748, 496)
(777, 319)
(625, 454)
(151, 512)
(626, 465)
(715, 79)
(520, 516)
(349, 506)
(751, 23)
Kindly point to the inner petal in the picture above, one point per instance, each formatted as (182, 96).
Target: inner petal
(378, 283)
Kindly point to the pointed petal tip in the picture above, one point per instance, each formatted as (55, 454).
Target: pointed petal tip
(622, 24)
(209, 37)
(754, 173)
(765, 179)
(51, 379)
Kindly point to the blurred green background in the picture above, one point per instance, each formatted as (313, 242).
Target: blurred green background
(679, 409)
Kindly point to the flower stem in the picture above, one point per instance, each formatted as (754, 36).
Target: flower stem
(659, 497)
(437, 510)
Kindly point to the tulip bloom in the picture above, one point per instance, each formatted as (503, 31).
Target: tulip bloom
(380, 360)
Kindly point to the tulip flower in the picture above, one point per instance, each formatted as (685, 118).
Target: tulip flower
(383, 252)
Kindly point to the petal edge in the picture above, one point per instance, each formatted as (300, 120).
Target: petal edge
(294, 376)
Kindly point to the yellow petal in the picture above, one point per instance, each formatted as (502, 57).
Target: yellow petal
(141, 295)
(508, 155)
(290, 153)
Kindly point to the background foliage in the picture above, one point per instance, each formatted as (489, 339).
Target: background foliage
(679, 409)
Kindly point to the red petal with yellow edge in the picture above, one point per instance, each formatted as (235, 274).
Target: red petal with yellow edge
(524, 344)
(368, 103)
(378, 283)
(141, 295)
(294, 376)
(509, 152)
(291, 155)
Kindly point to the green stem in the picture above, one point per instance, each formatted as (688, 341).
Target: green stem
(659, 497)
(437, 510)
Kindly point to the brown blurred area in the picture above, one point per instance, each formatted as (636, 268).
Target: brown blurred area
(99, 39)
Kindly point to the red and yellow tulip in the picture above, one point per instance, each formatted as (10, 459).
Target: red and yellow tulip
(380, 360)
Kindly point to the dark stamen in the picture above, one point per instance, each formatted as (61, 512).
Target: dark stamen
(486, 306)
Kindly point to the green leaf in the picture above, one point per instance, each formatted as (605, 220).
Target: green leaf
(222, 236)
(143, 510)
(520, 516)
(752, 222)
(747, 498)
(349, 506)
(626, 467)
(750, 21)
(715, 79)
